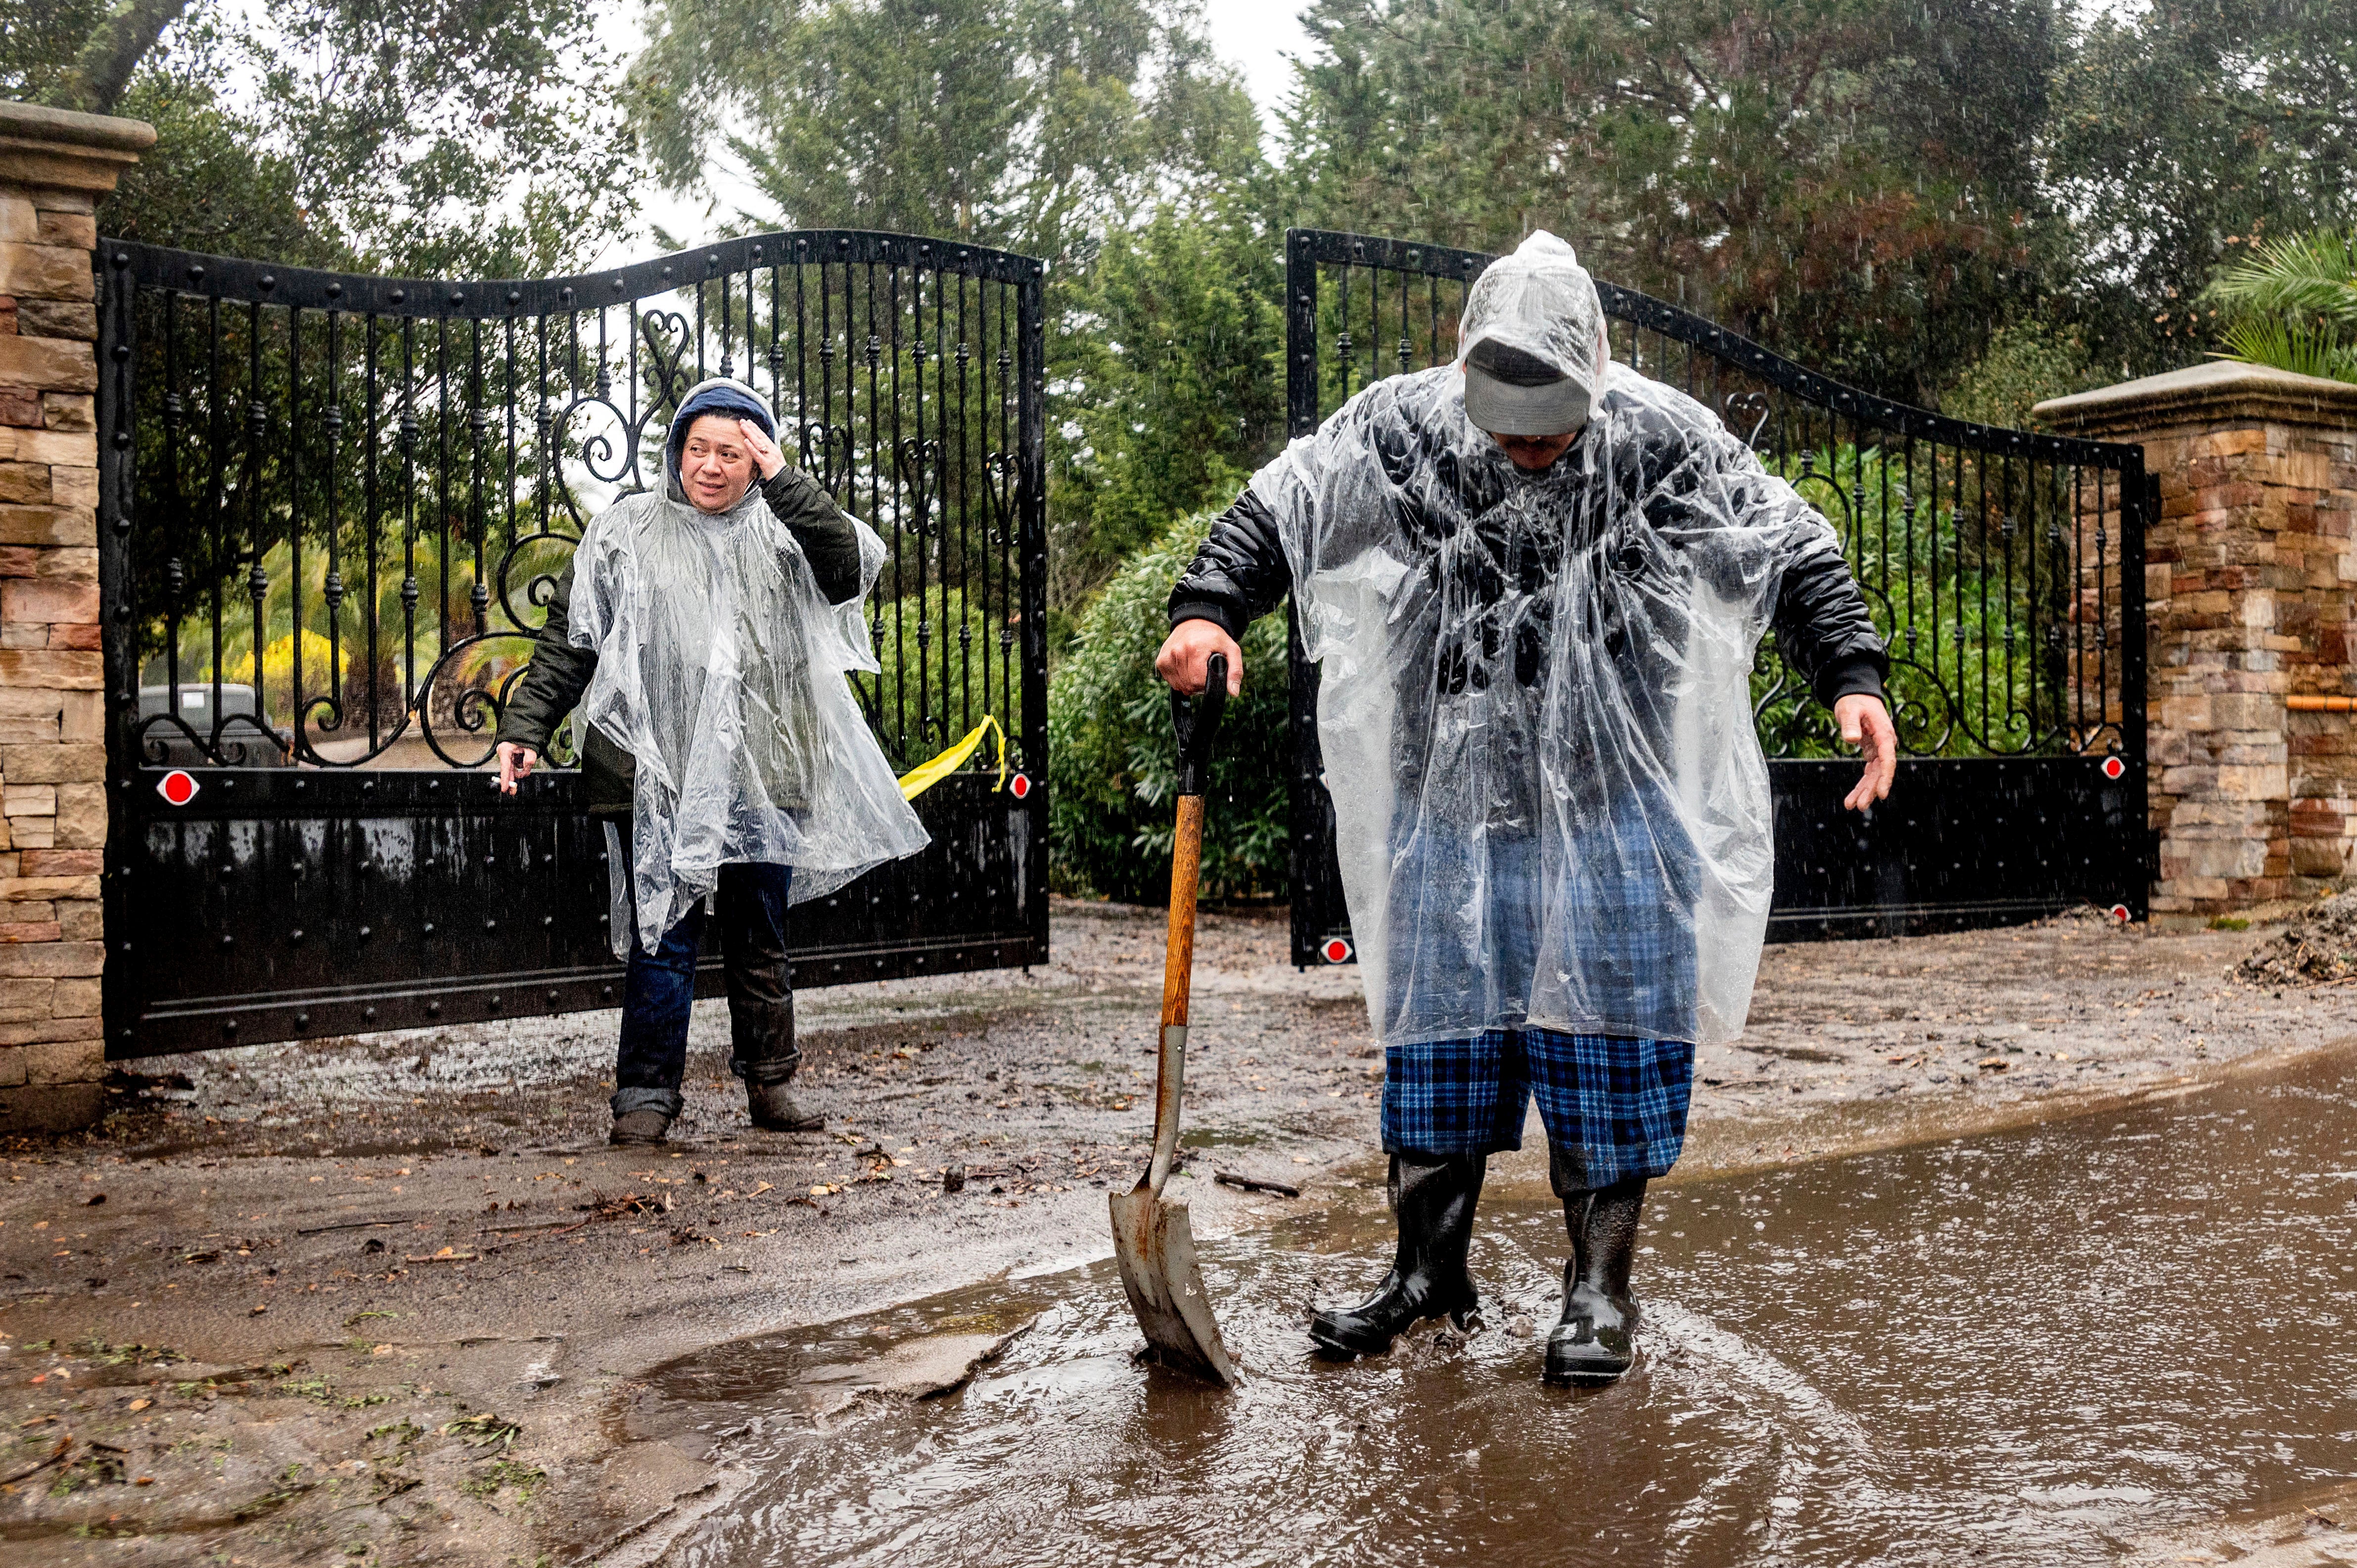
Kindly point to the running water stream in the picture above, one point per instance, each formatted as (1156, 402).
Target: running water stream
(2013, 1349)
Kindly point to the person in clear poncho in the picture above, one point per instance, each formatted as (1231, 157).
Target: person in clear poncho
(1534, 581)
(704, 629)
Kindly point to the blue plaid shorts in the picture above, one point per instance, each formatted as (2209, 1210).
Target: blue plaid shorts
(1611, 1104)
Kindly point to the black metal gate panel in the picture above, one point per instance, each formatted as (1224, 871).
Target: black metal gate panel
(334, 509)
(2003, 567)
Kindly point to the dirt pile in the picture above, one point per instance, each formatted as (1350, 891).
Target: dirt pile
(2316, 949)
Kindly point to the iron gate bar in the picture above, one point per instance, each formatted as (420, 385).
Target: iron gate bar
(329, 893)
(2066, 706)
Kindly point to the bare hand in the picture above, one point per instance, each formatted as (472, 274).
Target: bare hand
(766, 456)
(515, 762)
(1186, 657)
(1866, 724)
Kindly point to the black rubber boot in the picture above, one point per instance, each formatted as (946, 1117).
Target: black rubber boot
(640, 1127)
(1434, 1199)
(1596, 1342)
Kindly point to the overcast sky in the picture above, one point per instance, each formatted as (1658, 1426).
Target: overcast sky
(1256, 36)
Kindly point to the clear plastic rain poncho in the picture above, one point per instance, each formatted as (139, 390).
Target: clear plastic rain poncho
(1550, 799)
(721, 671)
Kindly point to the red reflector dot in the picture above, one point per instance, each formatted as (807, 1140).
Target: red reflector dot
(1337, 950)
(2114, 768)
(178, 787)
(2120, 913)
(1020, 786)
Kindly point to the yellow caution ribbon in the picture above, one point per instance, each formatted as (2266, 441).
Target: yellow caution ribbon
(925, 775)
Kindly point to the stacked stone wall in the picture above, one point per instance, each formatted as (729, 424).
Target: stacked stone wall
(2251, 595)
(54, 170)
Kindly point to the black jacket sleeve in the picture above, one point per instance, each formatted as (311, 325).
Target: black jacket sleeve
(1822, 627)
(828, 540)
(553, 681)
(1823, 632)
(1239, 576)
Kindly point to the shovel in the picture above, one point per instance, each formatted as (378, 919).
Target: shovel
(1150, 1235)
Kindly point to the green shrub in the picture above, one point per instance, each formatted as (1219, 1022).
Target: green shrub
(1113, 762)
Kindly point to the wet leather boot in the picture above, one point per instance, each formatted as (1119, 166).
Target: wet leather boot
(640, 1127)
(1434, 1200)
(1596, 1342)
(767, 1057)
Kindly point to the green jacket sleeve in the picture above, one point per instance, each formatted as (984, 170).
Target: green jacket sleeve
(828, 540)
(553, 681)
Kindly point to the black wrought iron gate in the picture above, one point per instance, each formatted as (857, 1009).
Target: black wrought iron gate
(2006, 569)
(334, 508)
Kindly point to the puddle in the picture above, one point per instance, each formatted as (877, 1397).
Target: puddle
(2020, 1348)
(1219, 1137)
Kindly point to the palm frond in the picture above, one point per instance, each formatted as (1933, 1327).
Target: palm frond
(2303, 274)
(2290, 345)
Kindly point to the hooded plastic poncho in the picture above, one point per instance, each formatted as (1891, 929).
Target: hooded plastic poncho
(1551, 804)
(721, 671)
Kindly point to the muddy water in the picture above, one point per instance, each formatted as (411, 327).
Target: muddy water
(2016, 1349)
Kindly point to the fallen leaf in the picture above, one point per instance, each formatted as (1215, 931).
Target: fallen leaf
(1992, 1064)
(141, 1403)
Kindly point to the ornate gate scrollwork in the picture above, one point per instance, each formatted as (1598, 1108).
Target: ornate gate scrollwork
(344, 504)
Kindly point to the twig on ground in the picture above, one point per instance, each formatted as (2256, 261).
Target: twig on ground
(1254, 1183)
(65, 1442)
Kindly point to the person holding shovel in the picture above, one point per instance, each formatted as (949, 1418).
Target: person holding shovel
(704, 630)
(1534, 581)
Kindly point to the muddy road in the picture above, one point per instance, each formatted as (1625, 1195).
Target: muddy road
(392, 1299)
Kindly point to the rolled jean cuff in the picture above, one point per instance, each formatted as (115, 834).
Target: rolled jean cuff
(769, 1070)
(667, 1100)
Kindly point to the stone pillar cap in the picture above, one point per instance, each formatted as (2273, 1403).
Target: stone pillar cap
(2222, 391)
(60, 148)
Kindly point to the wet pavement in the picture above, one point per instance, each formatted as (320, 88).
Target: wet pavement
(392, 1297)
(2032, 1347)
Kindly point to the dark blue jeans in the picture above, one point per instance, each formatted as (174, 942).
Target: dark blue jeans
(656, 997)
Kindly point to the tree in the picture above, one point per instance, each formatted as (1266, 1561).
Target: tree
(1171, 359)
(2184, 132)
(1099, 134)
(1032, 124)
(1846, 179)
(411, 136)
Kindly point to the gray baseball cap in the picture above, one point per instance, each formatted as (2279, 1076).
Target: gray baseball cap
(1532, 342)
(1509, 393)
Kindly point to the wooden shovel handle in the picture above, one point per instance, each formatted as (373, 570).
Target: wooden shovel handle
(1186, 869)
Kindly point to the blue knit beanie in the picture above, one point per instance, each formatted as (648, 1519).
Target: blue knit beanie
(732, 399)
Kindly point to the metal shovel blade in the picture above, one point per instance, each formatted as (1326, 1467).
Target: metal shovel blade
(1157, 1252)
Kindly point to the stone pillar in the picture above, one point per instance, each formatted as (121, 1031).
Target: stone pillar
(2251, 593)
(55, 167)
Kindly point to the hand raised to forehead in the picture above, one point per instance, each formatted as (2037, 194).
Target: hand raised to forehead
(766, 456)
